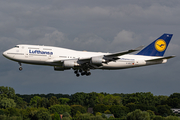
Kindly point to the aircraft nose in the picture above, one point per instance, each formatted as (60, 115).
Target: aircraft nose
(4, 53)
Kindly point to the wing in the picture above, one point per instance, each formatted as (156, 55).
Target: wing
(113, 55)
(98, 60)
(123, 52)
(94, 61)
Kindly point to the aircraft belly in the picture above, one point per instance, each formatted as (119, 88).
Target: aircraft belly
(31, 60)
(118, 65)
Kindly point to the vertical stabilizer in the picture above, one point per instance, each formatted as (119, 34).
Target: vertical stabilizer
(158, 47)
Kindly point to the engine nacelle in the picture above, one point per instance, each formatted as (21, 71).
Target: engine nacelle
(97, 61)
(59, 68)
(68, 64)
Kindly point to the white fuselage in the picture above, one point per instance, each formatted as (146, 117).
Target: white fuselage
(46, 55)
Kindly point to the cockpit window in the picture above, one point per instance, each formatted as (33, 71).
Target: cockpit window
(16, 46)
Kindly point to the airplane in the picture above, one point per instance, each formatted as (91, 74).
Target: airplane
(82, 61)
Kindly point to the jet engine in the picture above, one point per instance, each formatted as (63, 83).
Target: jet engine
(66, 65)
(59, 68)
(69, 64)
(97, 61)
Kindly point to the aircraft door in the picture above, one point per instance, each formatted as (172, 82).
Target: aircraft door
(26, 53)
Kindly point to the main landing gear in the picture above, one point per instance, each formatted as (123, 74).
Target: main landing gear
(82, 73)
(20, 66)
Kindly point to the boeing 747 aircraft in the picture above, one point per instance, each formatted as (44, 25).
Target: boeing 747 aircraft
(81, 61)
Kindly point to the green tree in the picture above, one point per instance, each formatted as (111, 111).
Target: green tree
(164, 110)
(88, 116)
(119, 111)
(172, 118)
(64, 101)
(7, 102)
(100, 98)
(42, 114)
(173, 102)
(53, 101)
(45, 102)
(138, 115)
(84, 99)
(98, 113)
(158, 117)
(100, 108)
(175, 95)
(1, 112)
(91, 99)
(78, 99)
(131, 106)
(140, 98)
(29, 113)
(107, 112)
(108, 100)
(20, 103)
(78, 113)
(97, 118)
(66, 118)
(66, 114)
(3, 117)
(76, 108)
(56, 116)
(85, 116)
(151, 114)
(14, 112)
(60, 109)
(112, 100)
(35, 101)
(160, 100)
(7, 92)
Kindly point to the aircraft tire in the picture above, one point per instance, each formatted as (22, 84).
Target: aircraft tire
(82, 73)
(88, 73)
(20, 68)
(76, 72)
(77, 75)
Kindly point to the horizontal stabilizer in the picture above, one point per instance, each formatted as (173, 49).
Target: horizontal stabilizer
(162, 58)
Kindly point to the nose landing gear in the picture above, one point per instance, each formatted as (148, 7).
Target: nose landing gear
(20, 66)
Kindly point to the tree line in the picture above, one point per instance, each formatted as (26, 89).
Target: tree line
(132, 106)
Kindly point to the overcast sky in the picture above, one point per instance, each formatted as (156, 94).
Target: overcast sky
(91, 25)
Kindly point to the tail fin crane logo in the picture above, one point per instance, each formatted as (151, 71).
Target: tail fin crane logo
(160, 45)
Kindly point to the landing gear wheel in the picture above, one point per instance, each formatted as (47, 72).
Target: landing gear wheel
(83, 73)
(80, 71)
(77, 75)
(20, 68)
(76, 72)
(88, 73)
